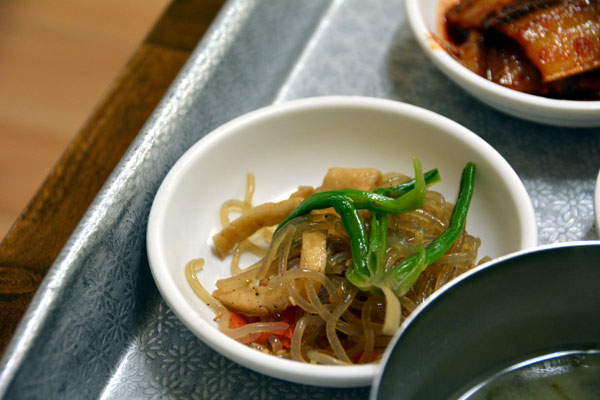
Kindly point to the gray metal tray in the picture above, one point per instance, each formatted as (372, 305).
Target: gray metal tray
(98, 328)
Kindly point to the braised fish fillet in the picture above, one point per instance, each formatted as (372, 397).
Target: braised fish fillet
(562, 40)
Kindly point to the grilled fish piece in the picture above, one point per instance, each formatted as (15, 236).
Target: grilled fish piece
(561, 40)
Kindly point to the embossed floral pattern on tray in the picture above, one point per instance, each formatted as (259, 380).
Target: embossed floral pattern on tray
(101, 328)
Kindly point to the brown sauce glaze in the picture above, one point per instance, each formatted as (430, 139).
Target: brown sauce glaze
(549, 48)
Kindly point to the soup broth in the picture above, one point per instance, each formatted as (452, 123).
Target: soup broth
(572, 375)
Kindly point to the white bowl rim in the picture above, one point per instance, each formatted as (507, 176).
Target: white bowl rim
(451, 66)
(398, 335)
(320, 375)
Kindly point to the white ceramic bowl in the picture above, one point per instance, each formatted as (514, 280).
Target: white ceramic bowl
(294, 144)
(423, 16)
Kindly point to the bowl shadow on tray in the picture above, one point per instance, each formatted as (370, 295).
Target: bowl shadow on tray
(191, 368)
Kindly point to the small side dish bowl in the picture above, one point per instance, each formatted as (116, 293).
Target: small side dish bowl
(295, 143)
(423, 18)
(522, 326)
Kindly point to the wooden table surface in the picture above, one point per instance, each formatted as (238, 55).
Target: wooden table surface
(38, 235)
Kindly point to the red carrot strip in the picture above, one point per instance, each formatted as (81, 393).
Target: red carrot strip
(290, 316)
(237, 320)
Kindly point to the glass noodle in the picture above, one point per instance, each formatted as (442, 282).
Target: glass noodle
(327, 320)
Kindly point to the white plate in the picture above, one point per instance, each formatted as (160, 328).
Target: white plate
(294, 144)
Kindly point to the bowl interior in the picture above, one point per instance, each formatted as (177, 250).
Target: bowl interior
(294, 144)
(526, 305)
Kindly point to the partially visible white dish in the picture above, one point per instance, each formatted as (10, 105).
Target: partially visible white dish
(597, 203)
(423, 18)
(295, 143)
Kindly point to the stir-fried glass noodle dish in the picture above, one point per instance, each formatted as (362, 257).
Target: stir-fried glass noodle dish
(340, 266)
(546, 47)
